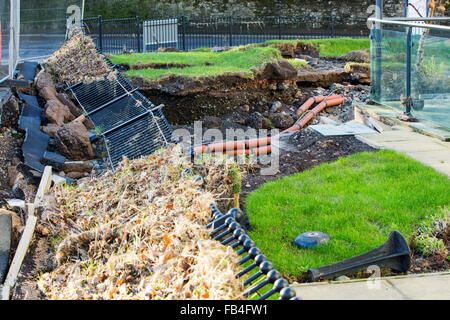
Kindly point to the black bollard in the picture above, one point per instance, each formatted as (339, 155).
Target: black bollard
(252, 253)
(248, 244)
(264, 268)
(242, 238)
(272, 276)
(236, 234)
(260, 258)
(287, 294)
(233, 226)
(279, 285)
(228, 221)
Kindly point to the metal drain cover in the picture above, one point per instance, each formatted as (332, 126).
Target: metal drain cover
(311, 239)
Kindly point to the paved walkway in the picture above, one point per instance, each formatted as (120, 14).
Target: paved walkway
(428, 150)
(433, 286)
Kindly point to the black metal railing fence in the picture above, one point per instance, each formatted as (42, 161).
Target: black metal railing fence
(118, 35)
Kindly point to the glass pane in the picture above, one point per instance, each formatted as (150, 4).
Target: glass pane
(4, 22)
(43, 25)
(430, 72)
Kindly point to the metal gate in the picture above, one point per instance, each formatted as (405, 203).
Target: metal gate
(160, 33)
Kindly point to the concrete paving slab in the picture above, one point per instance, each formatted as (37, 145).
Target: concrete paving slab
(424, 126)
(414, 287)
(413, 146)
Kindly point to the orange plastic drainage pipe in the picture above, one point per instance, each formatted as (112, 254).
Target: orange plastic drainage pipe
(255, 151)
(305, 106)
(304, 120)
(232, 145)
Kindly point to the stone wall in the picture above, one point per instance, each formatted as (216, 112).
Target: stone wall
(350, 9)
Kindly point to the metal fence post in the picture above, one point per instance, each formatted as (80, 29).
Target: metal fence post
(279, 27)
(100, 33)
(183, 30)
(332, 27)
(138, 26)
(230, 29)
(408, 70)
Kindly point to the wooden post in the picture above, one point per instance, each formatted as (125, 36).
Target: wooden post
(27, 235)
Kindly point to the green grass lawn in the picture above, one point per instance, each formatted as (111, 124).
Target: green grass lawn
(357, 200)
(235, 60)
(335, 47)
(218, 62)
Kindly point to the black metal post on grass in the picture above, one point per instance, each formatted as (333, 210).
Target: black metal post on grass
(230, 30)
(279, 27)
(333, 34)
(100, 33)
(138, 33)
(183, 32)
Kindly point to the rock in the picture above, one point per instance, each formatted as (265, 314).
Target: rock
(282, 86)
(48, 93)
(9, 113)
(72, 141)
(212, 122)
(323, 78)
(89, 125)
(76, 111)
(44, 79)
(357, 56)
(281, 120)
(245, 108)
(257, 121)
(16, 221)
(58, 113)
(170, 49)
(359, 72)
(76, 175)
(12, 174)
(281, 70)
(50, 129)
(54, 160)
(78, 166)
(337, 88)
(276, 107)
(221, 49)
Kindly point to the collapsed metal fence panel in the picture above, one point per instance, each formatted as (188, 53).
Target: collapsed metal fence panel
(130, 124)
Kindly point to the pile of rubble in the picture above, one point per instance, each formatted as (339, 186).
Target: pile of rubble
(139, 234)
(64, 124)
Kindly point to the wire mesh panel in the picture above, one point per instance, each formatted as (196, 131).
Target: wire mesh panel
(131, 125)
(118, 112)
(96, 94)
(138, 138)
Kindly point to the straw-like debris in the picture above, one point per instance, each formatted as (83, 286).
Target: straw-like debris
(78, 61)
(139, 234)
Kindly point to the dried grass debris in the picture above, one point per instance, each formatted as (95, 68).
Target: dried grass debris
(79, 61)
(139, 234)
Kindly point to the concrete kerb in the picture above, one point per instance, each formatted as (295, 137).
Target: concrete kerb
(402, 287)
